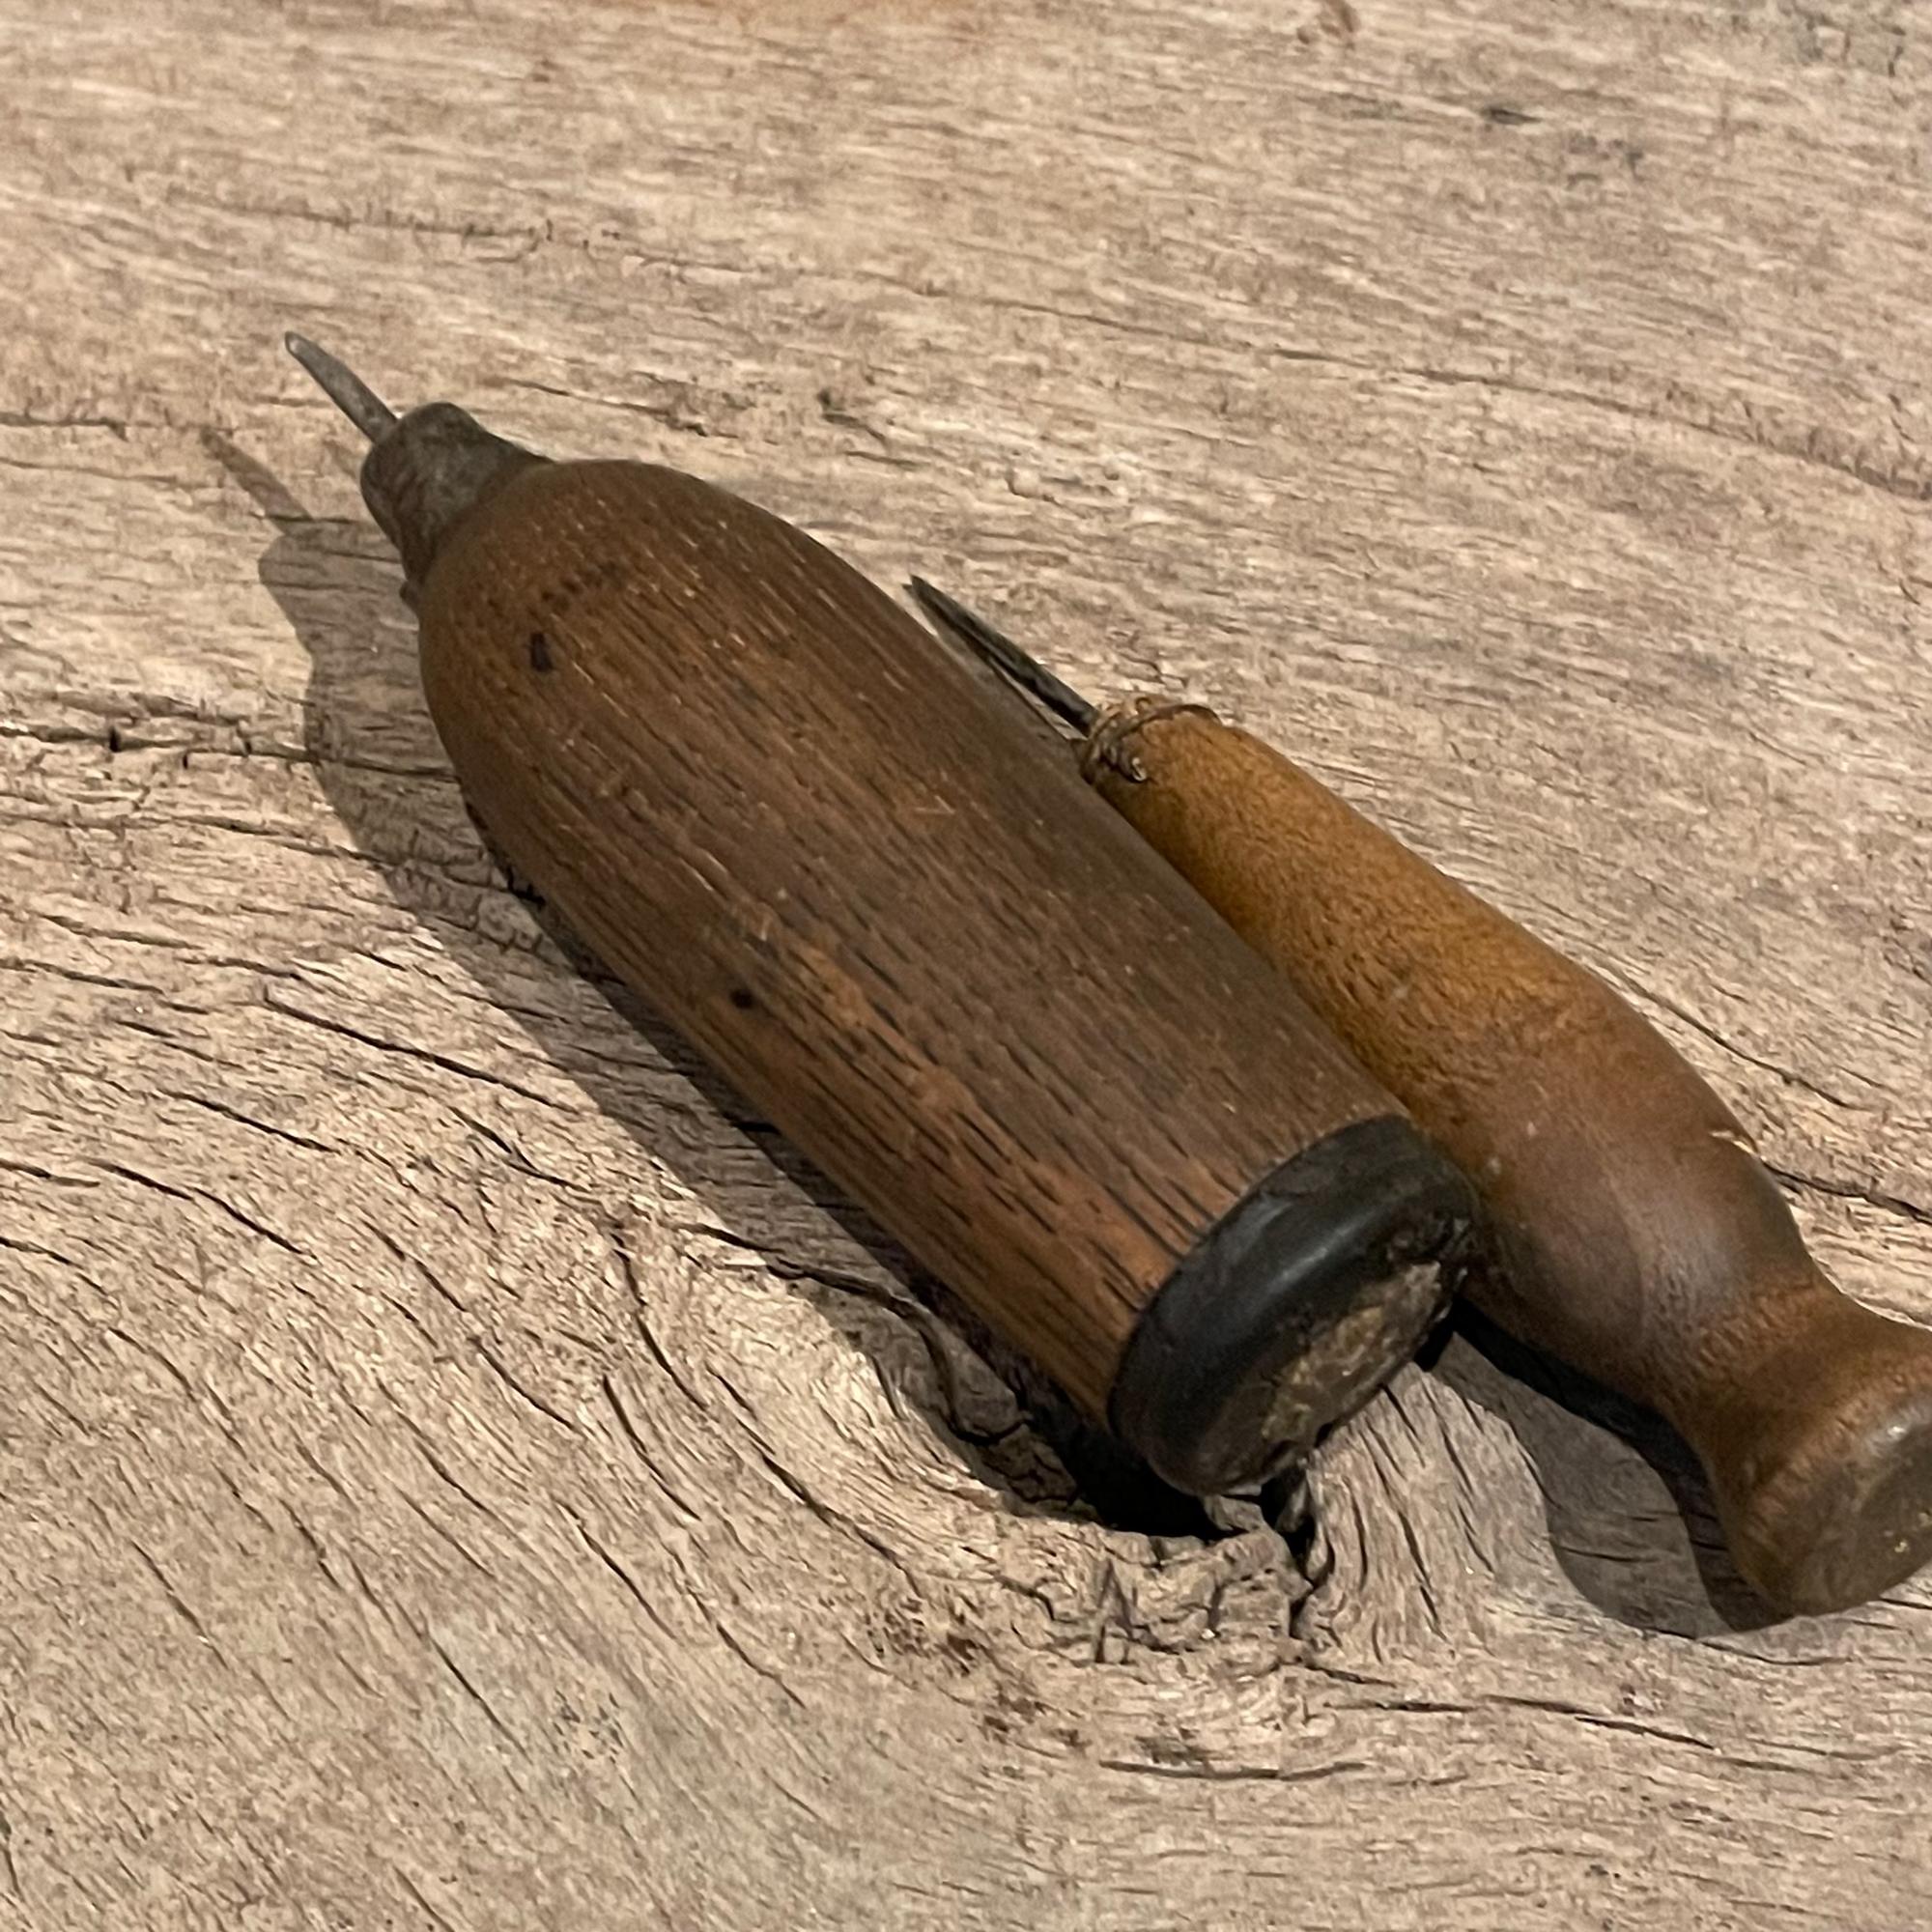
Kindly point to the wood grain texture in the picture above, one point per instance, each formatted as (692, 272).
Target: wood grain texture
(839, 863)
(456, 1475)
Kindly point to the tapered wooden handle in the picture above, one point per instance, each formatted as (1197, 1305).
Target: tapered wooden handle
(850, 874)
(1637, 1235)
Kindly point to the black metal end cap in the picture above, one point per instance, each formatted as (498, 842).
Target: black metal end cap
(1294, 1308)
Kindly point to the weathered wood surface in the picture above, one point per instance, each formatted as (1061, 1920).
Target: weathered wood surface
(454, 1470)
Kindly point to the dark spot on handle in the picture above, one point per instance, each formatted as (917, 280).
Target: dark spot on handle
(540, 657)
(1499, 114)
(743, 999)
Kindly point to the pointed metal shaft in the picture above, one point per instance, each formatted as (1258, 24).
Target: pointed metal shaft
(1000, 651)
(343, 387)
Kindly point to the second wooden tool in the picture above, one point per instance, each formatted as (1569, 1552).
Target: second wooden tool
(1637, 1235)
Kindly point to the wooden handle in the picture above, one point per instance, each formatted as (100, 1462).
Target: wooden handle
(1640, 1236)
(848, 872)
